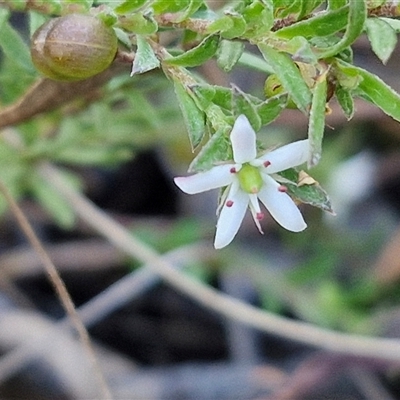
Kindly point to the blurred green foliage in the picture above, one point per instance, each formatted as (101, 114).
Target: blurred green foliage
(305, 44)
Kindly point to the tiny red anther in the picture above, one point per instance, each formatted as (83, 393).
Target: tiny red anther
(260, 216)
(233, 170)
(267, 163)
(282, 189)
(229, 203)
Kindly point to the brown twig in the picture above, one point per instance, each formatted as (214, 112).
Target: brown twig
(46, 95)
(351, 344)
(59, 286)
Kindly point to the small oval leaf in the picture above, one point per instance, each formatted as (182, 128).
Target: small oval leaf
(198, 55)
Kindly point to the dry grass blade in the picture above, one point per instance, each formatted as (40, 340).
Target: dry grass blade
(356, 345)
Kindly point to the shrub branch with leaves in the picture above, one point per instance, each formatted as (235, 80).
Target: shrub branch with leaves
(303, 47)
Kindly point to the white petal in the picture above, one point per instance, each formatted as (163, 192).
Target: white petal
(230, 219)
(216, 177)
(243, 139)
(285, 157)
(281, 206)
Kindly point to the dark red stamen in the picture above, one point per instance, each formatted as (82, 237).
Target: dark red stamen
(282, 189)
(260, 216)
(229, 203)
(232, 170)
(267, 164)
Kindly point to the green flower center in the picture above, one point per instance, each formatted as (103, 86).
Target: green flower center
(250, 179)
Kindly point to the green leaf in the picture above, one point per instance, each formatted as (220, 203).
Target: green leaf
(252, 61)
(394, 23)
(221, 24)
(217, 149)
(203, 95)
(237, 28)
(123, 37)
(209, 94)
(271, 108)
(194, 117)
(53, 202)
(190, 9)
(316, 125)
(323, 24)
(35, 21)
(14, 80)
(374, 89)
(243, 104)
(259, 17)
(355, 26)
(223, 97)
(312, 194)
(145, 59)
(335, 4)
(198, 55)
(289, 75)
(307, 6)
(129, 6)
(169, 6)
(301, 50)
(382, 36)
(345, 100)
(283, 8)
(14, 176)
(228, 54)
(93, 155)
(139, 23)
(4, 15)
(85, 3)
(14, 47)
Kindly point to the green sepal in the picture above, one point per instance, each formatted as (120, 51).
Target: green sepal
(312, 194)
(198, 55)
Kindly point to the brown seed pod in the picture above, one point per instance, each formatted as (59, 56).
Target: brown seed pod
(73, 47)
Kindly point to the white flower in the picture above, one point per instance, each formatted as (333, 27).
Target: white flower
(247, 180)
